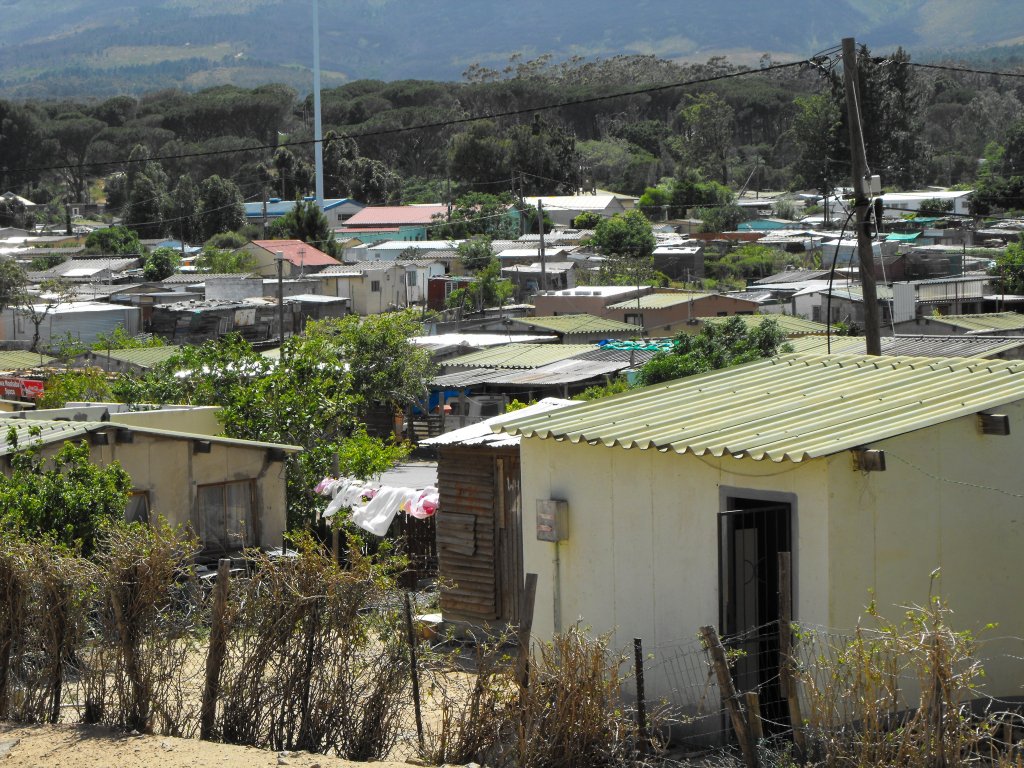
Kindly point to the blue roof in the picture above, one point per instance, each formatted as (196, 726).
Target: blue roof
(277, 207)
(762, 224)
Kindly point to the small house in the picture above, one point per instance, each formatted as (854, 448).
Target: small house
(298, 258)
(667, 508)
(665, 312)
(231, 493)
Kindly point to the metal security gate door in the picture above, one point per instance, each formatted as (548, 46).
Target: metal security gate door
(751, 536)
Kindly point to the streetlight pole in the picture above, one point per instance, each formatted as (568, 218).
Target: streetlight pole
(318, 129)
(279, 258)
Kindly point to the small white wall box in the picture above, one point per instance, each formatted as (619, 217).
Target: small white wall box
(552, 520)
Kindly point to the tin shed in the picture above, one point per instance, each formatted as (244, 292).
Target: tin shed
(479, 522)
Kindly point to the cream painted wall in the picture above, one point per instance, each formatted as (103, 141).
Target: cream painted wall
(200, 420)
(641, 559)
(642, 555)
(169, 470)
(951, 498)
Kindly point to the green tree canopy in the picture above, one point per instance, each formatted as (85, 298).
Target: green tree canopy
(479, 213)
(114, 241)
(718, 345)
(316, 395)
(306, 222)
(223, 262)
(68, 499)
(12, 283)
(1009, 267)
(476, 253)
(161, 264)
(626, 234)
(221, 207)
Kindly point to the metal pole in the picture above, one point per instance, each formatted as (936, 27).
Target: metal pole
(641, 704)
(543, 260)
(280, 299)
(318, 130)
(861, 201)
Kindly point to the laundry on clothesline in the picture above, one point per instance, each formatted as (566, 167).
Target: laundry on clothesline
(374, 506)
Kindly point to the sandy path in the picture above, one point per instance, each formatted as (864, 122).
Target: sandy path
(77, 746)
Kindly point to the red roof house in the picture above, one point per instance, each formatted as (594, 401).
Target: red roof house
(299, 258)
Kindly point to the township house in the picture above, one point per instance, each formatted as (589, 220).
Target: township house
(666, 508)
(299, 258)
(231, 492)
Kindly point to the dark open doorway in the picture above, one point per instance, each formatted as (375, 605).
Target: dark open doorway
(751, 534)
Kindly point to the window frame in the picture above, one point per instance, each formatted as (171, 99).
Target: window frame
(251, 531)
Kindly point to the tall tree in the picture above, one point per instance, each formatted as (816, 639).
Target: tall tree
(145, 207)
(707, 125)
(815, 132)
(306, 222)
(181, 211)
(221, 207)
(12, 283)
(74, 134)
(890, 103)
(479, 213)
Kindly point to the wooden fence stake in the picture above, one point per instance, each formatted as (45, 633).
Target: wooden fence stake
(641, 704)
(216, 650)
(526, 606)
(787, 667)
(729, 695)
(137, 718)
(414, 671)
(754, 715)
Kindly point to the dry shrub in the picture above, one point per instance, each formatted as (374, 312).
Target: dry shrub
(44, 596)
(572, 713)
(307, 666)
(857, 711)
(140, 672)
(473, 713)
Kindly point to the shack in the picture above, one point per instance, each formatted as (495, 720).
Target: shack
(479, 521)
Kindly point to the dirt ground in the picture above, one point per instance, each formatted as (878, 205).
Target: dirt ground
(79, 746)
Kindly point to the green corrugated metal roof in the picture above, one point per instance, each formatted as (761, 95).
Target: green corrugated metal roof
(818, 345)
(570, 324)
(48, 432)
(16, 361)
(902, 237)
(793, 407)
(659, 300)
(519, 356)
(144, 357)
(57, 431)
(993, 321)
(790, 325)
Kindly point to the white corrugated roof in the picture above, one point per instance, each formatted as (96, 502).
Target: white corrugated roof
(483, 433)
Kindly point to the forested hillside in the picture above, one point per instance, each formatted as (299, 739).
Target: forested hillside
(107, 47)
(623, 124)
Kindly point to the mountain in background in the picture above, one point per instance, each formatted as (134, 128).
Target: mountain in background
(73, 48)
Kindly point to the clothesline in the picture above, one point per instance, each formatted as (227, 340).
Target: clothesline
(373, 505)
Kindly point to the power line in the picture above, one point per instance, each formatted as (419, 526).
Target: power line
(965, 70)
(437, 124)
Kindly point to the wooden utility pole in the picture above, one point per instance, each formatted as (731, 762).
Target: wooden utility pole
(861, 201)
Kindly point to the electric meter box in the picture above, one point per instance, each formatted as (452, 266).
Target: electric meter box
(552, 520)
